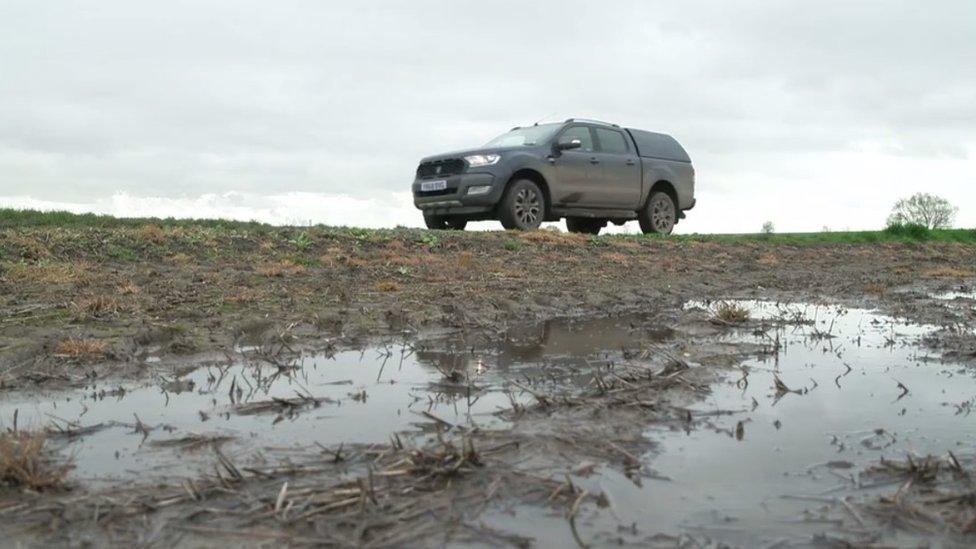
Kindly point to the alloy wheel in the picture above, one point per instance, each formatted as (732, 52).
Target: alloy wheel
(662, 214)
(528, 207)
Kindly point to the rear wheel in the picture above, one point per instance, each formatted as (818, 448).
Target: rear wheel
(659, 215)
(444, 222)
(523, 207)
(584, 225)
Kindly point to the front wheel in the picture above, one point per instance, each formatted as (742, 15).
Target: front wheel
(444, 223)
(523, 207)
(584, 225)
(659, 215)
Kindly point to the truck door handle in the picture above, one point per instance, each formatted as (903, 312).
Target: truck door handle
(594, 160)
(630, 162)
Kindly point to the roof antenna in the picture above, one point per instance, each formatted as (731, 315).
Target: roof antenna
(543, 118)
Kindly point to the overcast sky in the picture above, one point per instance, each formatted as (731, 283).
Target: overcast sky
(807, 114)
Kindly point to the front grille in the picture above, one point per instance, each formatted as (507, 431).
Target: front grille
(440, 168)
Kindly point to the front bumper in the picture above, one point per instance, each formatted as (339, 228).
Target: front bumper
(455, 199)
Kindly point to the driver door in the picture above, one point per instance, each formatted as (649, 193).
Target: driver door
(574, 168)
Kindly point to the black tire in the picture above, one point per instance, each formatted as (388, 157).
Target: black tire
(584, 225)
(659, 215)
(523, 207)
(444, 222)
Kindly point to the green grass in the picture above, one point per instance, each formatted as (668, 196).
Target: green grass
(23, 219)
(305, 261)
(302, 242)
(430, 239)
(11, 218)
(891, 234)
(121, 253)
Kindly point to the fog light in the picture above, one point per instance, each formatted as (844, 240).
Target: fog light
(479, 189)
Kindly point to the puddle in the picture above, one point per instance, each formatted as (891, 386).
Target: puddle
(864, 389)
(354, 399)
(153, 430)
(836, 390)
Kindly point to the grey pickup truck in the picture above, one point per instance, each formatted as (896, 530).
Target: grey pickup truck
(591, 173)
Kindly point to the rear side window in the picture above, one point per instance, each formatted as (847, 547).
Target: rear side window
(579, 132)
(611, 141)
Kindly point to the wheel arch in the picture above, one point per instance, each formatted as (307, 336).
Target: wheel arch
(665, 186)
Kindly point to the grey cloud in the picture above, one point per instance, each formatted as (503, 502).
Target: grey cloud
(210, 96)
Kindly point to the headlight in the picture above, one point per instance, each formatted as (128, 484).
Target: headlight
(478, 160)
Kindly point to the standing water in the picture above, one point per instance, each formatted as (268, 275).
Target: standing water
(837, 390)
(785, 433)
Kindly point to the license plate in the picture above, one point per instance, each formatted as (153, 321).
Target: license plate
(428, 186)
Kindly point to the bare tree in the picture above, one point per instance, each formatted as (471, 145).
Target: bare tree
(930, 211)
(768, 228)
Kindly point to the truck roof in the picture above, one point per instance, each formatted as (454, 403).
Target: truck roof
(658, 145)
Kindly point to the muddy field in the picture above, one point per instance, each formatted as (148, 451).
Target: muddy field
(193, 385)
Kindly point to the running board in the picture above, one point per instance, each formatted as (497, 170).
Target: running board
(602, 214)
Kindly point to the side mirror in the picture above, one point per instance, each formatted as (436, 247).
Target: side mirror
(568, 145)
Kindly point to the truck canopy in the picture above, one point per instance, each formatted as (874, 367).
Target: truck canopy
(658, 145)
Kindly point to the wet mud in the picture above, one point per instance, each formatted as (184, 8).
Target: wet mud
(691, 396)
(789, 426)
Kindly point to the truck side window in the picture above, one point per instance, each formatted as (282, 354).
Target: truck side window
(578, 132)
(611, 142)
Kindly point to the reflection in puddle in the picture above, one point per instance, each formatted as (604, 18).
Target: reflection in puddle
(348, 397)
(154, 429)
(853, 387)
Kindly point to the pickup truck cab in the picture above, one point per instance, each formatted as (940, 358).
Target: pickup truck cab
(590, 173)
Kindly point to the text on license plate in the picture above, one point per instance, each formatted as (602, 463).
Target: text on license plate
(428, 186)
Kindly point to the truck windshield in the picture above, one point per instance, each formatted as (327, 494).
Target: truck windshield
(525, 137)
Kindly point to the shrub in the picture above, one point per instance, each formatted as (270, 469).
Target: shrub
(929, 211)
(908, 230)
